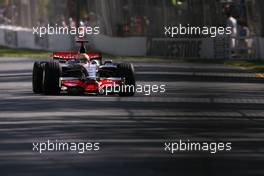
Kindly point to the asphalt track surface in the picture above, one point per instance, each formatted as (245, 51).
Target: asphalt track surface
(204, 103)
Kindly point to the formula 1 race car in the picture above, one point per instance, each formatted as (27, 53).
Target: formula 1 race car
(79, 73)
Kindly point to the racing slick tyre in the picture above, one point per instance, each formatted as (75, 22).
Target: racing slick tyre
(126, 71)
(37, 77)
(51, 78)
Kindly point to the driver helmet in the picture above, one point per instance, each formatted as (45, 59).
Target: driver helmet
(83, 58)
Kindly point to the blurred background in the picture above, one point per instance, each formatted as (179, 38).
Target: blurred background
(130, 17)
(146, 19)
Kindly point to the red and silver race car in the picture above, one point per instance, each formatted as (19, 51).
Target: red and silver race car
(80, 73)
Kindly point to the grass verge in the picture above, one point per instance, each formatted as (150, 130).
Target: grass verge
(11, 52)
(255, 65)
(29, 53)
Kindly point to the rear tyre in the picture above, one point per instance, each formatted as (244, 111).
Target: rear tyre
(126, 71)
(37, 77)
(51, 78)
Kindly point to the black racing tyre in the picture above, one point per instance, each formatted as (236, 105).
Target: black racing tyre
(126, 71)
(51, 78)
(37, 77)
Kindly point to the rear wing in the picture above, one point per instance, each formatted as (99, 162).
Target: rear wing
(64, 55)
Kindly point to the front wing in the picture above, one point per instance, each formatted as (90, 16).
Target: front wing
(90, 85)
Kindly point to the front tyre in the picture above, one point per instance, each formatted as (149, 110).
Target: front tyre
(51, 78)
(126, 71)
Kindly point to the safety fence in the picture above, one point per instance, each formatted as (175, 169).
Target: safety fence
(208, 48)
(203, 48)
(237, 47)
(17, 37)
